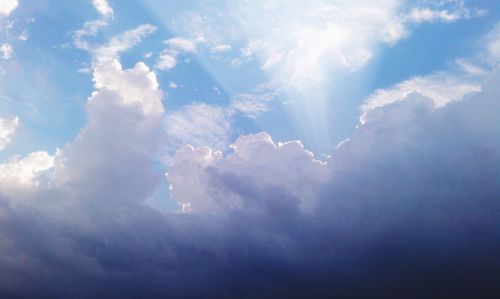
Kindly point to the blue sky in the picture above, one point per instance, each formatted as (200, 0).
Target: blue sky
(181, 117)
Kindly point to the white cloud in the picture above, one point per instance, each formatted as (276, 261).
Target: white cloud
(300, 43)
(251, 104)
(172, 85)
(257, 164)
(221, 48)
(166, 61)
(463, 77)
(492, 42)
(7, 128)
(7, 6)
(181, 44)
(19, 176)
(115, 46)
(198, 124)
(441, 87)
(122, 43)
(7, 51)
(103, 7)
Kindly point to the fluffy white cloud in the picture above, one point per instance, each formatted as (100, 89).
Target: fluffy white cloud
(7, 51)
(122, 133)
(7, 128)
(204, 181)
(7, 6)
(103, 7)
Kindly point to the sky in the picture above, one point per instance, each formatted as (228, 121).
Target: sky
(255, 149)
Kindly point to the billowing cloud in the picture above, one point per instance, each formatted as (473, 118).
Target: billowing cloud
(7, 128)
(205, 182)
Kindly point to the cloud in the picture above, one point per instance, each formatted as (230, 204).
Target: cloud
(440, 87)
(167, 59)
(300, 43)
(115, 46)
(21, 175)
(181, 44)
(463, 77)
(103, 8)
(7, 129)
(221, 48)
(198, 124)
(407, 207)
(410, 200)
(7, 6)
(457, 11)
(172, 85)
(204, 181)
(7, 51)
(122, 43)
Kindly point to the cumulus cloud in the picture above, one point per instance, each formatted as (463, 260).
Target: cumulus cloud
(7, 128)
(204, 181)
(7, 6)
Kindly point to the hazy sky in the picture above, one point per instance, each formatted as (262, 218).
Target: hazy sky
(266, 148)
